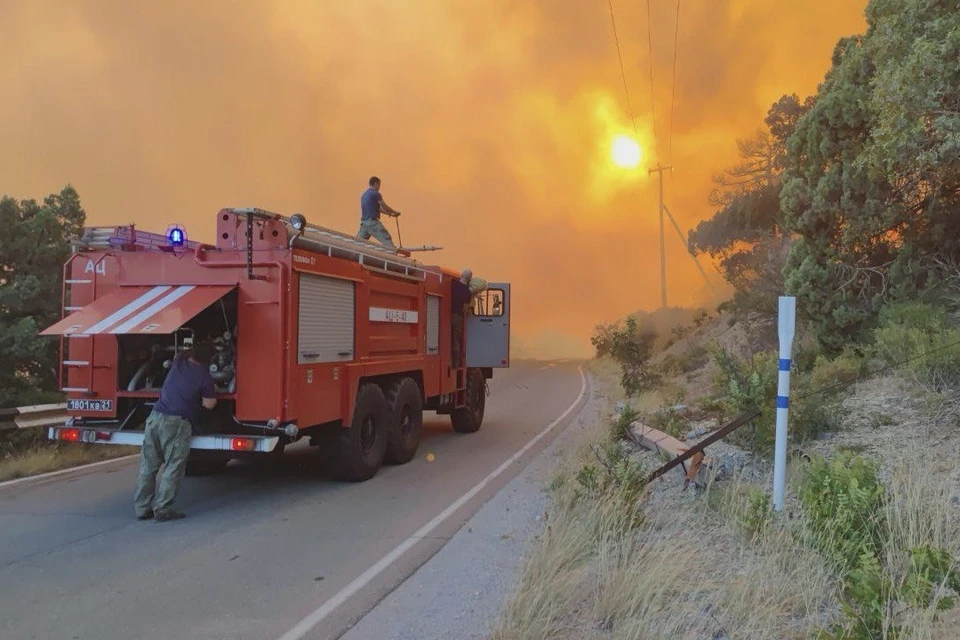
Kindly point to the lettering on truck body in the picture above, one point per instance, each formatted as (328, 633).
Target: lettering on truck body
(404, 316)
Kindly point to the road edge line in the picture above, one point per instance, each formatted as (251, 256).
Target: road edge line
(62, 472)
(307, 624)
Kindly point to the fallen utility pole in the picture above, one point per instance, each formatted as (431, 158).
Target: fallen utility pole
(723, 432)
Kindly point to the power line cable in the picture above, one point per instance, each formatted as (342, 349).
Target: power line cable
(623, 74)
(653, 102)
(673, 90)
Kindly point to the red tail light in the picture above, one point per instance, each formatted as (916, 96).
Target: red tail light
(70, 435)
(243, 444)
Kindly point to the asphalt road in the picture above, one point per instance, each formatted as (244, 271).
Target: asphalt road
(263, 555)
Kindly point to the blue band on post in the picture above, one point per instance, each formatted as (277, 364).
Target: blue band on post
(783, 402)
(784, 364)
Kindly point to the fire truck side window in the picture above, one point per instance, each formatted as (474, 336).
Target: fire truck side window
(489, 303)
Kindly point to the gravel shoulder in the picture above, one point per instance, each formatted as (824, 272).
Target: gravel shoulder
(459, 592)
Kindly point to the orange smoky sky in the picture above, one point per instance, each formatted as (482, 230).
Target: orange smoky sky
(489, 123)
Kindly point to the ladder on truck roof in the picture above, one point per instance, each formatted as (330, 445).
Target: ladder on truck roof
(337, 244)
(125, 237)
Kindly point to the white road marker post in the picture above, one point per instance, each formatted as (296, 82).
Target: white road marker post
(785, 329)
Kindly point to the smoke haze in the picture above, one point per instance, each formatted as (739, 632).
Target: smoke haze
(489, 123)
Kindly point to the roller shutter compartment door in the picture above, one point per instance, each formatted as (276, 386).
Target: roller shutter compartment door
(433, 325)
(326, 320)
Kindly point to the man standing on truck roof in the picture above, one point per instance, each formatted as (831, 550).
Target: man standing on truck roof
(371, 206)
(166, 439)
(463, 291)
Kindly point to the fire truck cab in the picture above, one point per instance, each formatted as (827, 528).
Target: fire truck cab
(317, 334)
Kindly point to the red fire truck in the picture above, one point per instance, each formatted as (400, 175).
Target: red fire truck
(317, 334)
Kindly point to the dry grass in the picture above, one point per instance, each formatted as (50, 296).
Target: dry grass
(685, 572)
(918, 514)
(697, 568)
(42, 458)
(721, 565)
(681, 574)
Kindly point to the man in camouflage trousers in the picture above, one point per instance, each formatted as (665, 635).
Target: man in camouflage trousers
(166, 439)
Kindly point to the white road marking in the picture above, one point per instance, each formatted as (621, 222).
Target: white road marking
(323, 611)
(53, 474)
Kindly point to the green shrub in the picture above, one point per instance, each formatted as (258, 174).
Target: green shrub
(747, 506)
(844, 503)
(752, 384)
(619, 427)
(669, 420)
(756, 512)
(930, 567)
(843, 500)
(835, 373)
(631, 346)
(613, 474)
(749, 385)
(922, 336)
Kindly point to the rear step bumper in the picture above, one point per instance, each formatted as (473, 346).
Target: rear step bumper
(219, 442)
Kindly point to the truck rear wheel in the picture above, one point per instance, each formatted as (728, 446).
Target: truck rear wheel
(361, 447)
(468, 419)
(405, 411)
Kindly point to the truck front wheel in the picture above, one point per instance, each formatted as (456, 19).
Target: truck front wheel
(361, 447)
(467, 419)
(405, 411)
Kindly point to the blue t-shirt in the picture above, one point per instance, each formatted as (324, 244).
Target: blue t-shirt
(186, 383)
(460, 295)
(370, 204)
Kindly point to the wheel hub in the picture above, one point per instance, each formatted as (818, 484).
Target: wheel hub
(406, 424)
(368, 434)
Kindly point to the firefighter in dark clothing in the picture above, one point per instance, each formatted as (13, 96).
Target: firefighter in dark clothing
(462, 293)
(166, 439)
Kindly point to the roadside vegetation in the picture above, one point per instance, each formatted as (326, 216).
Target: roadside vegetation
(28, 453)
(33, 247)
(850, 201)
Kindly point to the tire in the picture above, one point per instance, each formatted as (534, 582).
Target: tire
(205, 464)
(468, 419)
(361, 447)
(405, 411)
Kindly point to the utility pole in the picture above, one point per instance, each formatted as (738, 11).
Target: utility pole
(663, 258)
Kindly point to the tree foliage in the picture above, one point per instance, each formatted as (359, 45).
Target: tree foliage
(745, 232)
(871, 190)
(631, 346)
(34, 244)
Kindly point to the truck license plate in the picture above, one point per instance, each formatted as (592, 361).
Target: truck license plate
(90, 405)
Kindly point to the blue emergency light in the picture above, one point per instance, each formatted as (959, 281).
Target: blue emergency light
(176, 236)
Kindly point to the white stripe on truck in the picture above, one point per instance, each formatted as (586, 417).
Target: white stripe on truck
(126, 310)
(156, 307)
